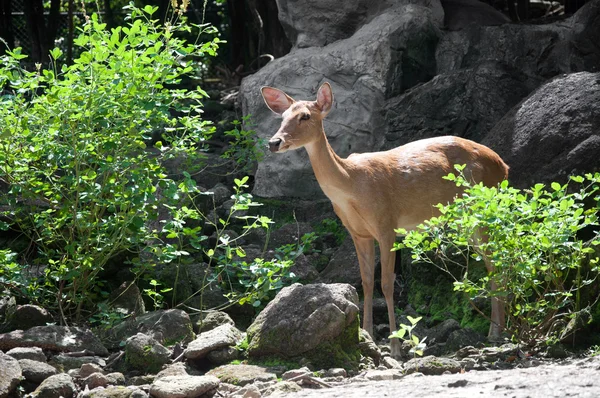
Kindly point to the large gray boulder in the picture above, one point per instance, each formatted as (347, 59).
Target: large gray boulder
(465, 103)
(542, 51)
(318, 322)
(54, 338)
(166, 326)
(10, 375)
(60, 385)
(145, 354)
(391, 53)
(552, 133)
(316, 23)
(223, 336)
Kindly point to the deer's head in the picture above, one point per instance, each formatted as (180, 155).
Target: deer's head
(302, 120)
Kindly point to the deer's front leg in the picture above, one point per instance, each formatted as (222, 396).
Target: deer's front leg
(365, 251)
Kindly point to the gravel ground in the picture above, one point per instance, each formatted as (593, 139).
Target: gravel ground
(577, 378)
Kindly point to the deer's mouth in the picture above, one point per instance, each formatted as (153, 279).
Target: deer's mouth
(278, 145)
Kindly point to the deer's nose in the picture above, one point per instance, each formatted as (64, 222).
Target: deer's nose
(274, 144)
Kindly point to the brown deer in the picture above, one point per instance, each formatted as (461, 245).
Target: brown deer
(375, 193)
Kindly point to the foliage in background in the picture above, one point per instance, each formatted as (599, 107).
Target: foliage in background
(83, 185)
(545, 272)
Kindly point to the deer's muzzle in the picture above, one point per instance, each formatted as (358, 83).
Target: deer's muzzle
(274, 144)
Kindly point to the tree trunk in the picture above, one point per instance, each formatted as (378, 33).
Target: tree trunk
(41, 34)
(6, 28)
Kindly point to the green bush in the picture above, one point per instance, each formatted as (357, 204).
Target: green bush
(82, 149)
(545, 272)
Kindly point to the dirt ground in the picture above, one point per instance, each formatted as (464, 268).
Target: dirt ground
(574, 378)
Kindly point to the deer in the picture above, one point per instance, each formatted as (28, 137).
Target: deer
(375, 193)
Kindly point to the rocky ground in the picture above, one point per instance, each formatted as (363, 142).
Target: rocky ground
(572, 378)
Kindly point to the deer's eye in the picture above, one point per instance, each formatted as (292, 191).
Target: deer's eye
(305, 116)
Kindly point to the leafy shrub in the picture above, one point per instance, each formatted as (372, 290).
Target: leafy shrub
(73, 150)
(541, 265)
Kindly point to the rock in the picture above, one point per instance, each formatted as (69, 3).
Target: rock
(335, 372)
(127, 299)
(289, 234)
(367, 346)
(54, 338)
(291, 374)
(28, 315)
(585, 36)
(388, 374)
(88, 369)
(115, 378)
(441, 332)
(174, 369)
(431, 365)
(208, 320)
(145, 354)
(240, 375)
(460, 14)
(552, 133)
(391, 53)
(183, 386)
(165, 326)
(303, 269)
(466, 103)
(95, 380)
(10, 375)
(391, 363)
(8, 306)
(463, 338)
(222, 336)
(343, 267)
(324, 329)
(57, 386)
(33, 353)
(223, 355)
(190, 279)
(116, 392)
(282, 389)
(248, 391)
(35, 371)
(67, 362)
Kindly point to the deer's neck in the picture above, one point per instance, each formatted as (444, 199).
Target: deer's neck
(331, 170)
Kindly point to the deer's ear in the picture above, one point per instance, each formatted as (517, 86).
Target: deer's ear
(276, 100)
(325, 98)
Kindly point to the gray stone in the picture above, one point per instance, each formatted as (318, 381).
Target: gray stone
(291, 374)
(391, 363)
(10, 375)
(127, 299)
(367, 346)
(431, 365)
(288, 234)
(115, 378)
(145, 354)
(28, 315)
(208, 320)
(391, 53)
(552, 133)
(166, 326)
(441, 332)
(241, 375)
(248, 391)
(116, 392)
(460, 14)
(87, 369)
(343, 267)
(466, 103)
(67, 362)
(463, 338)
(57, 386)
(220, 337)
(183, 386)
(54, 338)
(335, 372)
(95, 380)
(35, 371)
(33, 353)
(287, 329)
(388, 374)
(223, 355)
